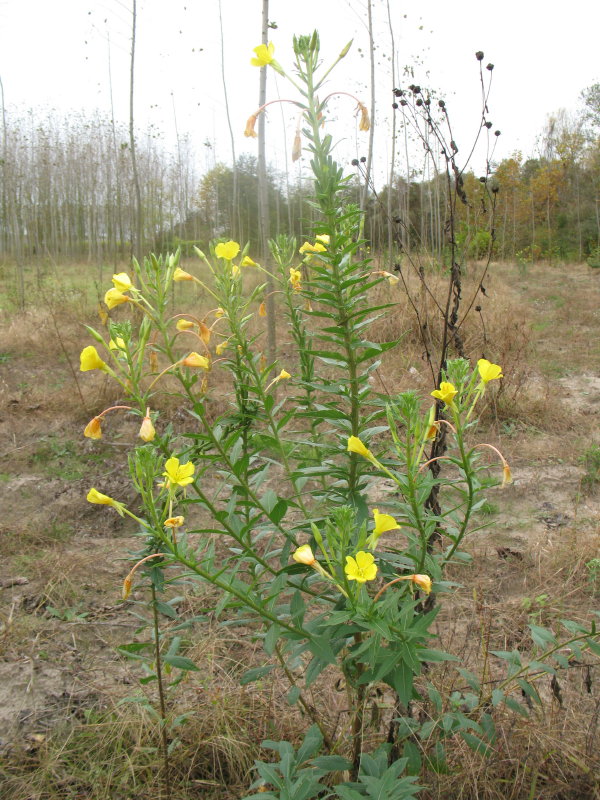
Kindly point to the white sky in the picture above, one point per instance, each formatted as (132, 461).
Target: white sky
(54, 54)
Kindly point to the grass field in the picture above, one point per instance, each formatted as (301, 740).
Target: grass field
(67, 729)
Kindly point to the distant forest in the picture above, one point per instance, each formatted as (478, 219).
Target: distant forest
(68, 193)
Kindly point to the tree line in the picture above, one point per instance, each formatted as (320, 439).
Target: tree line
(67, 193)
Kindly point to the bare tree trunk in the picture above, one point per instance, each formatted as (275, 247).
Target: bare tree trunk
(235, 220)
(264, 197)
(365, 192)
(137, 245)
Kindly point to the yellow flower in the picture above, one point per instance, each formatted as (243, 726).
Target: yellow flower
(304, 555)
(89, 359)
(173, 522)
(446, 393)
(506, 475)
(264, 55)
(307, 247)
(487, 371)
(182, 275)
(122, 282)
(205, 332)
(184, 324)
(283, 375)
(383, 523)
(220, 312)
(127, 583)
(196, 360)
(119, 344)
(178, 475)
(93, 430)
(147, 430)
(296, 279)
(361, 568)
(114, 298)
(356, 446)
(94, 496)
(247, 262)
(262, 310)
(221, 346)
(364, 123)
(227, 250)
(323, 238)
(250, 132)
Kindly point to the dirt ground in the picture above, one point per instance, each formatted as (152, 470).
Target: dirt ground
(63, 560)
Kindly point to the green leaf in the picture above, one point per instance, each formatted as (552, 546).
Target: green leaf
(255, 674)
(293, 695)
(476, 744)
(180, 662)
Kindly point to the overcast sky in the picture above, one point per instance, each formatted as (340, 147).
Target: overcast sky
(58, 54)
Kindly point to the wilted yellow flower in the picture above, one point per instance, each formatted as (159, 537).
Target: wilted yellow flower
(264, 55)
(153, 358)
(422, 581)
(178, 475)
(297, 147)
(506, 474)
(361, 568)
(250, 132)
(262, 309)
(392, 279)
(93, 430)
(227, 250)
(304, 555)
(122, 282)
(196, 360)
(127, 584)
(94, 496)
(174, 522)
(364, 123)
(248, 262)
(296, 279)
(147, 430)
(221, 346)
(89, 359)
(102, 314)
(219, 312)
(182, 275)
(184, 324)
(356, 446)
(446, 393)
(307, 247)
(487, 371)
(114, 298)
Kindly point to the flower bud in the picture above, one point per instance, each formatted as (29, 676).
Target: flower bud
(147, 430)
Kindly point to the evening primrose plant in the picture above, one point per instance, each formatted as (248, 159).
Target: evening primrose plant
(317, 538)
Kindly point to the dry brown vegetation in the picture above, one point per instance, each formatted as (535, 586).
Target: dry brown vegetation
(64, 732)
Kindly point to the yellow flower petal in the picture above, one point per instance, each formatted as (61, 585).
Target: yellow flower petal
(248, 262)
(323, 238)
(178, 474)
(184, 324)
(122, 282)
(383, 523)
(114, 298)
(296, 279)
(96, 497)
(89, 359)
(196, 360)
(422, 581)
(264, 55)
(173, 522)
(356, 446)
(446, 393)
(488, 371)
(262, 310)
(304, 555)
(364, 123)
(250, 132)
(147, 430)
(182, 275)
(307, 247)
(361, 568)
(227, 250)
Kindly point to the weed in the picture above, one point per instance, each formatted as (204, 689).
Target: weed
(591, 464)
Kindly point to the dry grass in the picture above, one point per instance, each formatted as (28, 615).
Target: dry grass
(98, 749)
